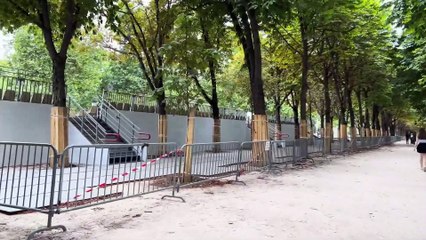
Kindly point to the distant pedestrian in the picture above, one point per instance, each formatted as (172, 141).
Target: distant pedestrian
(407, 137)
(413, 137)
(421, 148)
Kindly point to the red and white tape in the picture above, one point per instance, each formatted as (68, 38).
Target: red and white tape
(134, 170)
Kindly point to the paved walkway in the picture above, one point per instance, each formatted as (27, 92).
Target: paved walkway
(378, 194)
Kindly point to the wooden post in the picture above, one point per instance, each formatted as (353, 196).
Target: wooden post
(162, 128)
(343, 135)
(216, 134)
(59, 133)
(328, 138)
(343, 132)
(260, 128)
(367, 132)
(303, 139)
(303, 129)
(260, 133)
(162, 133)
(189, 140)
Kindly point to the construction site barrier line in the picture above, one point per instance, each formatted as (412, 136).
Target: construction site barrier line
(114, 179)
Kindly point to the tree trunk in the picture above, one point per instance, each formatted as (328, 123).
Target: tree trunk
(392, 127)
(296, 121)
(304, 80)
(58, 80)
(311, 123)
(213, 101)
(188, 150)
(342, 124)
(361, 116)
(247, 29)
(383, 130)
(216, 127)
(376, 121)
(59, 112)
(162, 118)
(215, 106)
(367, 125)
(328, 126)
(277, 121)
(367, 117)
(257, 94)
(351, 118)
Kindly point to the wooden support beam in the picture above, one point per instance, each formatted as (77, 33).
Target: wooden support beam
(328, 138)
(59, 133)
(189, 140)
(260, 133)
(162, 133)
(303, 129)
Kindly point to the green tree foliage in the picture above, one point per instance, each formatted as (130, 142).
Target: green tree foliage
(86, 67)
(123, 75)
(144, 30)
(59, 21)
(410, 54)
(321, 59)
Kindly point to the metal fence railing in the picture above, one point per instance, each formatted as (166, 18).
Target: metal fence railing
(342, 146)
(106, 173)
(207, 161)
(35, 177)
(145, 103)
(26, 181)
(16, 88)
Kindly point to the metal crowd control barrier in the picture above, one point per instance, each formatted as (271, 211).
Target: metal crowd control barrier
(33, 177)
(255, 156)
(207, 161)
(26, 180)
(283, 152)
(315, 146)
(107, 173)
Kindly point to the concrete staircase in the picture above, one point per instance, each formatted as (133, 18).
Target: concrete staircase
(100, 130)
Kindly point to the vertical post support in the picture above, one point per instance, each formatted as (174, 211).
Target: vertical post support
(59, 133)
(162, 132)
(260, 133)
(327, 138)
(189, 142)
(303, 141)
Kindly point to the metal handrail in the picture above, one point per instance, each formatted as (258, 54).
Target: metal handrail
(115, 97)
(121, 115)
(118, 115)
(99, 131)
(127, 129)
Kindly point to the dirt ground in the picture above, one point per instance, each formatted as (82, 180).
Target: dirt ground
(379, 194)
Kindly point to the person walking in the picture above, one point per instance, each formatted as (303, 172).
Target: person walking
(421, 148)
(407, 137)
(413, 137)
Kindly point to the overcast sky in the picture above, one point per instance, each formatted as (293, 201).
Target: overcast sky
(5, 45)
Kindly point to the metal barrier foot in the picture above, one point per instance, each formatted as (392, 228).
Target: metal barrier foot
(32, 235)
(308, 159)
(171, 196)
(238, 182)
